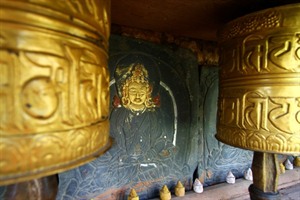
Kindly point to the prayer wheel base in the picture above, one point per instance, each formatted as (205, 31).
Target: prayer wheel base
(265, 168)
(257, 194)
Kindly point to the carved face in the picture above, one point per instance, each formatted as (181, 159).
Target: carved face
(137, 93)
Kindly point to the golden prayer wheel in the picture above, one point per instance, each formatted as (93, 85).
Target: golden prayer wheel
(259, 99)
(54, 94)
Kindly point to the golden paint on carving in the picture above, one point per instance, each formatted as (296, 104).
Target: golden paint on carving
(259, 100)
(54, 94)
(136, 90)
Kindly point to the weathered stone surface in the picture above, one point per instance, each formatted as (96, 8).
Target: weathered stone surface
(216, 157)
(153, 147)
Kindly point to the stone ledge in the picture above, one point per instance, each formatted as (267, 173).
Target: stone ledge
(239, 190)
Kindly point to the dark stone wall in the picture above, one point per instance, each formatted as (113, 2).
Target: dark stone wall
(153, 147)
(217, 158)
(173, 140)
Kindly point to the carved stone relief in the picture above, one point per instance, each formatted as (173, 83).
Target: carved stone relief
(153, 111)
(218, 158)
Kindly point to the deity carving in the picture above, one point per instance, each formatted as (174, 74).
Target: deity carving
(139, 134)
(143, 140)
(149, 122)
(136, 91)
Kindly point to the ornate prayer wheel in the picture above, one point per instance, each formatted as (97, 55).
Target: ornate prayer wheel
(259, 99)
(54, 94)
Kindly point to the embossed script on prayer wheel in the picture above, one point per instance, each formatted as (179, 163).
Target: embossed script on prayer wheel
(54, 94)
(259, 99)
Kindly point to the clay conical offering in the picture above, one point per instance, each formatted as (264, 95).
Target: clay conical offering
(164, 193)
(282, 168)
(230, 178)
(296, 161)
(133, 195)
(197, 186)
(248, 175)
(288, 165)
(179, 189)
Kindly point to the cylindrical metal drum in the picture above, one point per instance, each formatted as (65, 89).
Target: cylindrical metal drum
(54, 94)
(259, 99)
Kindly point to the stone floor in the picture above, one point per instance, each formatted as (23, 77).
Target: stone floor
(289, 188)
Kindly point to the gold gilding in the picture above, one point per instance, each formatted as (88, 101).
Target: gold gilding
(54, 94)
(259, 99)
(136, 91)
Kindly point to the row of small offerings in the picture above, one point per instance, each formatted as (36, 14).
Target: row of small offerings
(165, 193)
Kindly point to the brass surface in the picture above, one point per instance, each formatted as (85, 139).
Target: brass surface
(54, 94)
(266, 171)
(259, 99)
